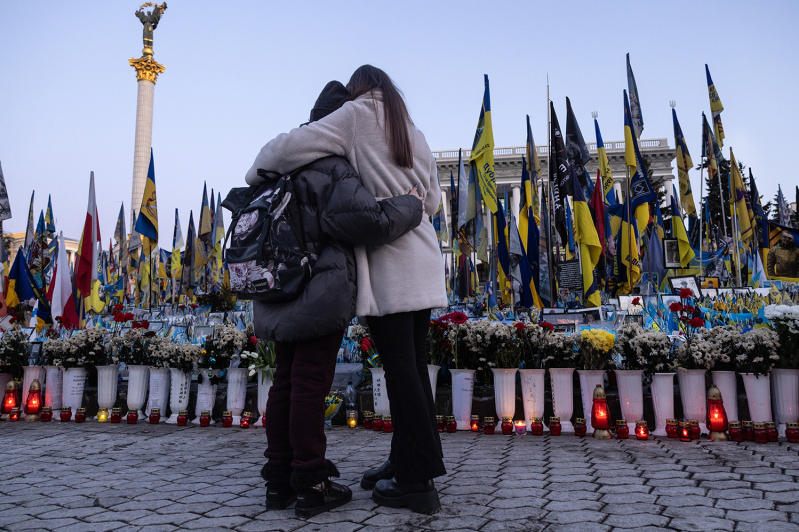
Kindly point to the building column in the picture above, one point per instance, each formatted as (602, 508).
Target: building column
(617, 188)
(147, 71)
(517, 197)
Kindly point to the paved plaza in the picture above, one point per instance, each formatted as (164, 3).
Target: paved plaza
(161, 478)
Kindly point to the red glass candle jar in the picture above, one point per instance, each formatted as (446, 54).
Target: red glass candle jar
(580, 427)
(537, 426)
(672, 430)
(388, 425)
(717, 423)
(441, 425)
(66, 414)
(227, 419)
(367, 420)
(736, 432)
(452, 425)
(771, 431)
(685, 431)
(641, 430)
(33, 403)
(507, 426)
(554, 426)
(116, 415)
(792, 432)
(14, 414)
(474, 423)
(600, 417)
(761, 435)
(622, 430)
(80, 415)
(696, 432)
(488, 425)
(245, 420)
(47, 414)
(183, 418)
(205, 418)
(132, 417)
(377, 423)
(10, 397)
(749, 430)
(155, 416)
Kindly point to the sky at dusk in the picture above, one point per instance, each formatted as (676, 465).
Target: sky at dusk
(237, 74)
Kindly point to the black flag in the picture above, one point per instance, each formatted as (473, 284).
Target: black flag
(576, 150)
(559, 176)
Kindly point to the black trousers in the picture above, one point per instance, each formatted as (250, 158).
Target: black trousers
(401, 341)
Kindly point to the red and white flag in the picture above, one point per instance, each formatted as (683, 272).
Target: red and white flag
(86, 264)
(62, 304)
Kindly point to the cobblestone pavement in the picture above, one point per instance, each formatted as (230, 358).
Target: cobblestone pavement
(162, 478)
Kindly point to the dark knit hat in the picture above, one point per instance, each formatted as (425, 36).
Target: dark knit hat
(333, 96)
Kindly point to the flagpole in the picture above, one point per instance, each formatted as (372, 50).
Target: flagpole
(553, 287)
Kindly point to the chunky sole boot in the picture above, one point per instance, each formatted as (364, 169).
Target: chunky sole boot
(420, 497)
(279, 496)
(322, 498)
(371, 477)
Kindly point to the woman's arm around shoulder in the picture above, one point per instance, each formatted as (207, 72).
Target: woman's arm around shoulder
(332, 135)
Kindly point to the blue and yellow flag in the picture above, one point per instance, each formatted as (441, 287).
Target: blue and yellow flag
(503, 251)
(715, 108)
(678, 232)
(21, 287)
(684, 164)
(177, 243)
(641, 189)
(533, 169)
(740, 197)
(482, 156)
(30, 230)
(147, 222)
(627, 262)
(586, 237)
(49, 219)
(604, 168)
(440, 218)
(629, 152)
(528, 223)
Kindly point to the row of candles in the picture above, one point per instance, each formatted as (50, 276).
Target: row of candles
(600, 420)
(34, 411)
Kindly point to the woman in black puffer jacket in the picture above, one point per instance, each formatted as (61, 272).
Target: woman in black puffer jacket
(335, 213)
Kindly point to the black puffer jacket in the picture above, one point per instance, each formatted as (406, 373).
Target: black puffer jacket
(336, 212)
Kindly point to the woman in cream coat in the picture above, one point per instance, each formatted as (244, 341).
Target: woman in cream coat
(398, 283)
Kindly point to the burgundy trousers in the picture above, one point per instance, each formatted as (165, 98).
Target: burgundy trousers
(295, 410)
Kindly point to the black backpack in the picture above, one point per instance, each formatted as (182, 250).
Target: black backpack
(267, 257)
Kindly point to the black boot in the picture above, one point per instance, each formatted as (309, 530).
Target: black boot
(316, 493)
(384, 472)
(420, 497)
(279, 493)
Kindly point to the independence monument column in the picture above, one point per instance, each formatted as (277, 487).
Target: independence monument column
(147, 71)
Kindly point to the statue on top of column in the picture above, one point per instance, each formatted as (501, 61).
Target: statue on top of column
(150, 21)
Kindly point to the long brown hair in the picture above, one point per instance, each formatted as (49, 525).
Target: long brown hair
(368, 78)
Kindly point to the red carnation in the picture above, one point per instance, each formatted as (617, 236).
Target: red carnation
(519, 326)
(459, 317)
(193, 306)
(149, 334)
(253, 339)
(118, 306)
(13, 320)
(128, 316)
(366, 345)
(636, 301)
(145, 324)
(547, 325)
(689, 309)
(685, 293)
(696, 322)
(135, 325)
(181, 307)
(675, 307)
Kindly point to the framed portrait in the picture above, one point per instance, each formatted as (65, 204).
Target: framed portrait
(178, 333)
(202, 331)
(671, 253)
(635, 318)
(685, 281)
(710, 282)
(669, 299)
(156, 326)
(554, 310)
(741, 291)
(35, 351)
(565, 319)
(710, 292)
(564, 327)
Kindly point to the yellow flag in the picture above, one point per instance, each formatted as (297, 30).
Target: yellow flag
(738, 196)
(629, 151)
(483, 153)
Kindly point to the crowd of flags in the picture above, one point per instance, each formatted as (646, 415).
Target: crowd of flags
(618, 241)
(133, 270)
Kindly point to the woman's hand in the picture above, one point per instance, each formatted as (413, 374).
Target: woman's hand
(415, 193)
